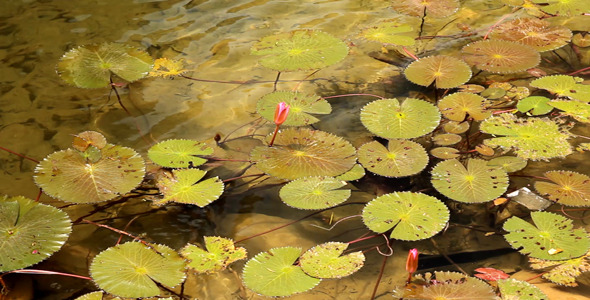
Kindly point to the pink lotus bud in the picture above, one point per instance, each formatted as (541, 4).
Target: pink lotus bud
(281, 113)
(412, 261)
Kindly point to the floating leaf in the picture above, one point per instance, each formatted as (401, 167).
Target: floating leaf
(581, 40)
(179, 153)
(91, 296)
(388, 119)
(299, 50)
(456, 106)
(413, 216)
(552, 231)
(183, 187)
(452, 286)
(220, 253)
(301, 152)
(274, 273)
(563, 272)
(30, 232)
(445, 71)
(69, 176)
(456, 127)
(533, 32)
(508, 163)
(446, 139)
(314, 193)
(493, 93)
(445, 152)
(474, 184)
(564, 86)
(490, 274)
(134, 270)
(531, 138)
(567, 188)
(471, 88)
(325, 261)
(578, 110)
(564, 7)
(357, 172)
(91, 66)
(164, 67)
(391, 32)
(400, 158)
(512, 289)
(302, 106)
(85, 139)
(431, 8)
(537, 105)
(498, 56)
(485, 150)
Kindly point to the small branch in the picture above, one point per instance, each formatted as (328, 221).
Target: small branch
(447, 257)
(412, 55)
(274, 86)
(380, 276)
(18, 154)
(121, 232)
(44, 272)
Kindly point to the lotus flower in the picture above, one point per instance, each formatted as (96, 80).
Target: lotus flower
(412, 263)
(281, 114)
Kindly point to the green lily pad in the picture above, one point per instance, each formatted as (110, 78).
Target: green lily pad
(553, 237)
(446, 139)
(456, 127)
(299, 50)
(29, 232)
(516, 289)
(274, 274)
(400, 158)
(431, 8)
(302, 107)
(389, 119)
(357, 172)
(445, 71)
(456, 106)
(533, 32)
(578, 110)
(562, 272)
(564, 86)
(445, 152)
(314, 193)
(530, 138)
(451, 286)
(184, 187)
(91, 66)
(508, 163)
(536, 105)
(413, 216)
(326, 261)
(134, 270)
(475, 184)
(69, 176)
(499, 56)
(391, 32)
(85, 139)
(568, 188)
(564, 8)
(219, 254)
(179, 153)
(302, 152)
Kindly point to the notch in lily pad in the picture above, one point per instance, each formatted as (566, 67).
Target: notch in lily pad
(220, 253)
(314, 192)
(567, 188)
(444, 71)
(179, 153)
(401, 158)
(326, 261)
(499, 56)
(184, 186)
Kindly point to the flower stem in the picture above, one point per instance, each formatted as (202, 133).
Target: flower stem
(274, 135)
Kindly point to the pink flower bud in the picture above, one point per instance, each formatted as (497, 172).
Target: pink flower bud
(412, 261)
(281, 113)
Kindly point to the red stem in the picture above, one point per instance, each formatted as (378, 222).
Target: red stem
(274, 135)
(44, 272)
(350, 95)
(18, 154)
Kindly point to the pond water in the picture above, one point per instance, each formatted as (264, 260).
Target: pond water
(39, 114)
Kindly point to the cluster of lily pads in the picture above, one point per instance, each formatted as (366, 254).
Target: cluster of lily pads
(477, 136)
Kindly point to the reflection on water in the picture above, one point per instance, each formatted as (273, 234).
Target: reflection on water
(39, 114)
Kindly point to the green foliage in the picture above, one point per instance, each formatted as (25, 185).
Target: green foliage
(184, 187)
(445, 152)
(326, 261)
(393, 32)
(219, 254)
(449, 286)
(179, 153)
(498, 56)
(444, 71)
(578, 110)
(413, 216)
(536, 105)
(568, 188)
(531, 138)
(430, 8)
(29, 232)
(533, 32)
(92, 66)
(562, 272)
(456, 106)
(135, 270)
(561, 7)
(299, 50)
(564, 86)
(302, 107)
(389, 119)
(400, 158)
(91, 296)
(446, 139)
(314, 192)
(553, 237)
(517, 289)
(508, 163)
(476, 183)
(274, 273)
(357, 172)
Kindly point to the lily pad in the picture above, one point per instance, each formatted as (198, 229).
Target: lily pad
(452, 286)
(413, 216)
(568, 188)
(274, 273)
(357, 172)
(508, 163)
(455, 107)
(456, 127)
(564, 86)
(326, 261)
(219, 254)
(164, 67)
(69, 176)
(562, 272)
(536, 105)
(400, 158)
(91, 66)
(475, 184)
(299, 50)
(446, 139)
(553, 237)
(184, 187)
(391, 32)
(445, 152)
(302, 152)
(431, 8)
(92, 296)
(564, 8)
(86, 139)
(389, 119)
(578, 110)
(530, 138)
(29, 232)
(517, 289)
(134, 270)
(179, 153)
(314, 193)
(533, 32)
(302, 107)
(445, 71)
(498, 56)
